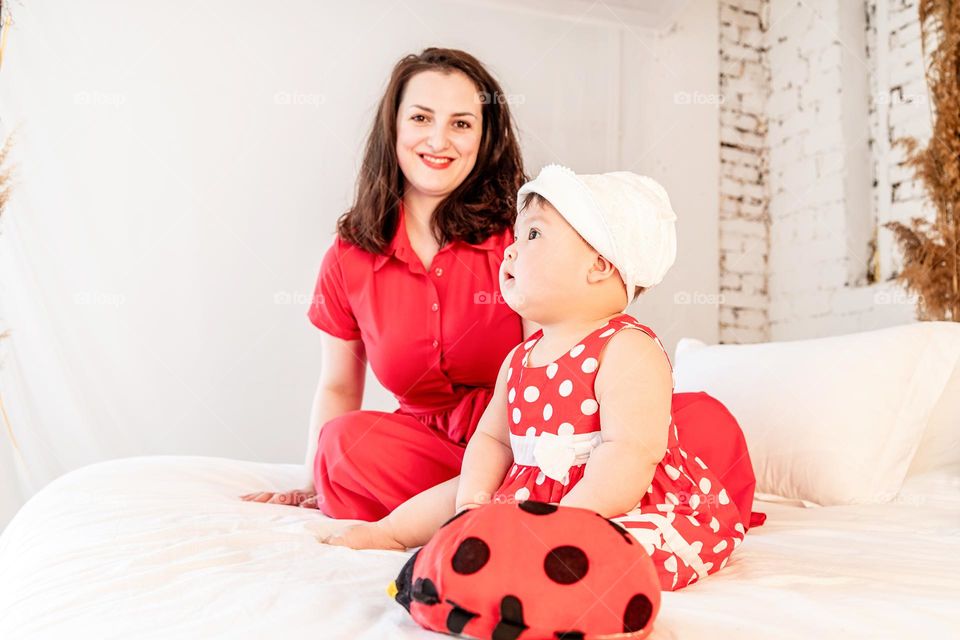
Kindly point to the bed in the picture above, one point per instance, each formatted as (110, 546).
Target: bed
(162, 546)
(171, 552)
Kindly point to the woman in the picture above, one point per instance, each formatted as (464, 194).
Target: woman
(411, 283)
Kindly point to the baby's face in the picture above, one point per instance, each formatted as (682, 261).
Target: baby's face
(545, 266)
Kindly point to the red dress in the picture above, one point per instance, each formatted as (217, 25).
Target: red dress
(435, 338)
(693, 515)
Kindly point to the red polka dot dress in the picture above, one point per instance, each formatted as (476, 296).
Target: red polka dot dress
(686, 521)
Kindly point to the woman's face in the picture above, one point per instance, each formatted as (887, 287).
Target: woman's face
(439, 126)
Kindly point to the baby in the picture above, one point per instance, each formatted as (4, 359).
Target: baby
(581, 412)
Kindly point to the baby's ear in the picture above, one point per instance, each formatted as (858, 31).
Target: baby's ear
(601, 269)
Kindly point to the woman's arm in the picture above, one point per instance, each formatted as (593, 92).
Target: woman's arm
(340, 389)
(634, 389)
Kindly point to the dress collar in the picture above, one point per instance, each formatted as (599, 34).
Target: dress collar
(400, 246)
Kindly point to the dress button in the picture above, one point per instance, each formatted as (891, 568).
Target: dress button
(435, 344)
(435, 306)
(438, 271)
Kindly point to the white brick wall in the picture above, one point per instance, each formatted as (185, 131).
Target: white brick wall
(744, 215)
(806, 174)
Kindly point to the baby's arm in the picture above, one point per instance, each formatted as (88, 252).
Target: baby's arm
(634, 389)
(488, 454)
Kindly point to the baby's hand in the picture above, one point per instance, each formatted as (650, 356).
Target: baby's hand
(368, 535)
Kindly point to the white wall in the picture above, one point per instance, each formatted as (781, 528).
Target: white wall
(181, 166)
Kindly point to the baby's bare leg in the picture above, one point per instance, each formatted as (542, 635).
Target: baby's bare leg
(415, 521)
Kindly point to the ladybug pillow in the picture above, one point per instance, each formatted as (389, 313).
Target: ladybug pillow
(531, 570)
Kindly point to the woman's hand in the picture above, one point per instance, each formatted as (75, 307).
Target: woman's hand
(294, 498)
(368, 535)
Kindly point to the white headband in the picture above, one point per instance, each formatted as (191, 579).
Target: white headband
(626, 217)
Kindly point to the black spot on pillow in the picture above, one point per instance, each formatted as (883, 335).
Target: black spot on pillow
(425, 592)
(566, 564)
(458, 618)
(511, 623)
(637, 614)
(472, 554)
(537, 508)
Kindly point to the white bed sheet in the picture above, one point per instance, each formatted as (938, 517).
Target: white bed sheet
(162, 547)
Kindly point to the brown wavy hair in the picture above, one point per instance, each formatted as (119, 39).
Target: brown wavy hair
(483, 204)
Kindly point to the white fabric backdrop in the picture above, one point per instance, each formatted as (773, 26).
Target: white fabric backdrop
(180, 167)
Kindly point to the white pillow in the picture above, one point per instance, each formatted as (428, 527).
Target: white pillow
(833, 420)
(940, 446)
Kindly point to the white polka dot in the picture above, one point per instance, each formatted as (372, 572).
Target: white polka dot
(522, 494)
(541, 478)
(577, 350)
(608, 332)
(512, 395)
(700, 462)
(589, 407)
(589, 365)
(531, 432)
(672, 498)
(705, 485)
(529, 344)
(566, 388)
(693, 521)
(552, 369)
(547, 411)
(565, 429)
(509, 373)
(739, 528)
(720, 546)
(694, 501)
(676, 576)
(714, 525)
(516, 416)
(530, 394)
(665, 507)
(672, 471)
(683, 453)
(722, 497)
(670, 564)
(650, 489)
(525, 358)
(724, 563)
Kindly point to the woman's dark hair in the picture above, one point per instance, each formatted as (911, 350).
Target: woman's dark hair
(483, 204)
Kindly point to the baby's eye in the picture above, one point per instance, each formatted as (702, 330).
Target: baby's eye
(530, 235)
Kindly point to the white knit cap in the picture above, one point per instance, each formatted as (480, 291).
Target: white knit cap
(626, 217)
